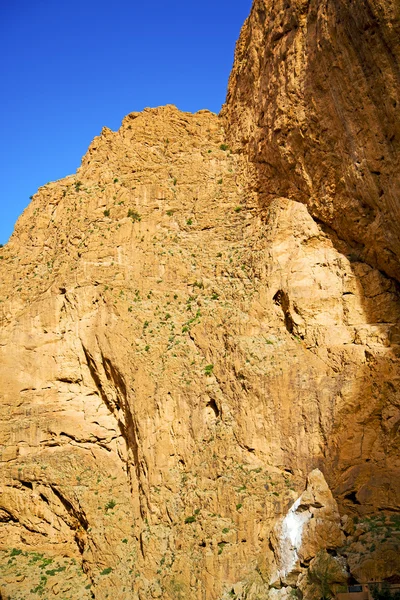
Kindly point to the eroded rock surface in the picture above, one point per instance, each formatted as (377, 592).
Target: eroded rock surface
(311, 524)
(184, 342)
(313, 100)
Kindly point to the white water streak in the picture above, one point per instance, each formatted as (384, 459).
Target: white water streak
(291, 537)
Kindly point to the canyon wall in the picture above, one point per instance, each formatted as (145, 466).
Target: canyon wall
(313, 99)
(199, 343)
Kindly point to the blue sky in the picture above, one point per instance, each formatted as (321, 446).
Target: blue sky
(70, 68)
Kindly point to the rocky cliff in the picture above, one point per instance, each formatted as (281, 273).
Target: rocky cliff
(313, 99)
(199, 353)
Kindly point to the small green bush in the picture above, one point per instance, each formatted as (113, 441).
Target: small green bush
(53, 572)
(110, 504)
(106, 213)
(208, 369)
(221, 546)
(190, 519)
(135, 216)
(106, 571)
(224, 147)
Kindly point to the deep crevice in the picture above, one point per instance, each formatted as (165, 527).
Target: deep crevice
(129, 428)
(213, 405)
(78, 515)
(352, 496)
(282, 299)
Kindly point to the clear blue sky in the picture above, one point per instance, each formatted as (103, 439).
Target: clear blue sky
(69, 68)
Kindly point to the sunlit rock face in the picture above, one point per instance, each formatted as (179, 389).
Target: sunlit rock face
(189, 357)
(313, 101)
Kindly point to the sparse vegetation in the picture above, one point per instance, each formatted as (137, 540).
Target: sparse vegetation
(190, 519)
(324, 575)
(53, 572)
(383, 592)
(39, 589)
(221, 546)
(110, 504)
(135, 216)
(208, 369)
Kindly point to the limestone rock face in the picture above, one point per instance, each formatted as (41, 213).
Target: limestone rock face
(183, 341)
(175, 360)
(325, 575)
(372, 547)
(311, 524)
(313, 100)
